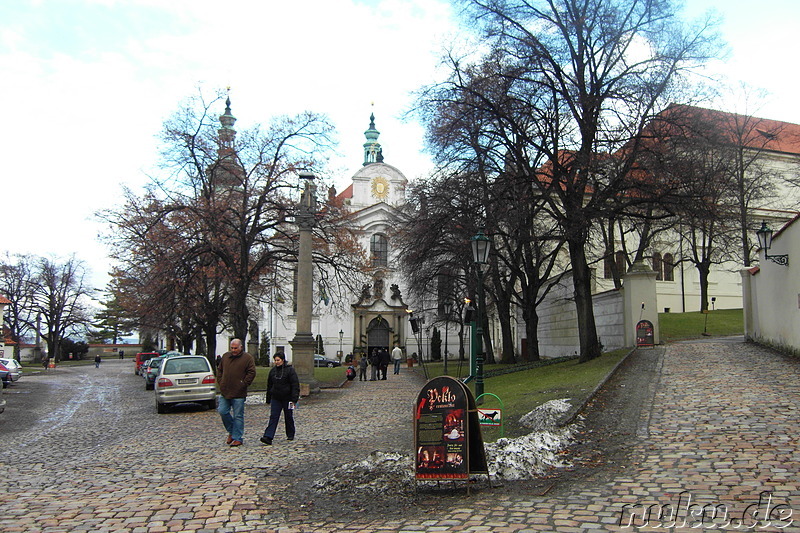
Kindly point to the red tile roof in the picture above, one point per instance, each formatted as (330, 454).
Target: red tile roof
(347, 193)
(753, 132)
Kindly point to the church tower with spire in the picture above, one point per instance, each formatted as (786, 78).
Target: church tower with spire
(227, 135)
(377, 182)
(373, 153)
(226, 172)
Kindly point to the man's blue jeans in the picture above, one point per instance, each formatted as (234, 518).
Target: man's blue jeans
(234, 423)
(397, 366)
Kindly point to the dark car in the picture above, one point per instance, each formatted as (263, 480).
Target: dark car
(321, 360)
(150, 372)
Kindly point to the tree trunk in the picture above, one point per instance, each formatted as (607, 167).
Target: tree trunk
(531, 333)
(507, 356)
(488, 351)
(461, 349)
(703, 268)
(581, 281)
(240, 316)
(210, 332)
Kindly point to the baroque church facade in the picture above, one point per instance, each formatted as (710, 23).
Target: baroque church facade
(377, 317)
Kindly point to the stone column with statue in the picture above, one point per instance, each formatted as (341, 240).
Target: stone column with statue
(303, 341)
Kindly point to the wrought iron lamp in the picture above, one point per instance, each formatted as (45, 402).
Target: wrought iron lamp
(764, 235)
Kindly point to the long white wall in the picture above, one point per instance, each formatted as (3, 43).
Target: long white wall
(558, 322)
(771, 294)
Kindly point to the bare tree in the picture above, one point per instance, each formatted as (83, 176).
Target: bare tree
(588, 75)
(217, 227)
(61, 297)
(16, 284)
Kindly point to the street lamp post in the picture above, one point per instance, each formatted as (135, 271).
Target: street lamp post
(341, 336)
(447, 307)
(480, 255)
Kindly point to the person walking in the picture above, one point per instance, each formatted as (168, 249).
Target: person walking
(383, 361)
(397, 357)
(373, 364)
(283, 392)
(97, 361)
(236, 371)
(362, 367)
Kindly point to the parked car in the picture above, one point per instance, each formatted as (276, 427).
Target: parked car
(141, 358)
(150, 372)
(5, 375)
(185, 378)
(321, 360)
(14, 368)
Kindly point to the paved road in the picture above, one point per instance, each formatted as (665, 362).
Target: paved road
(720, 430)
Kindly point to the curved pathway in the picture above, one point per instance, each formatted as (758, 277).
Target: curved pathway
(719, 433)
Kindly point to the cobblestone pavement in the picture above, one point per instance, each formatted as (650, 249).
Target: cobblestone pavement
(719, 429)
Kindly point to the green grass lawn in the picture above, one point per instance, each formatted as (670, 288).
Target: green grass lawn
(692, 325)
(327, 377)
(522, 391)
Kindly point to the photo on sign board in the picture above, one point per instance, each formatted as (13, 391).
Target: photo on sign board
(454, 425)
(430, 456)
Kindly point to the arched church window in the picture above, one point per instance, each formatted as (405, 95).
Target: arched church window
(622, 263)
(657, 266)
(379, 250)
(669, 265)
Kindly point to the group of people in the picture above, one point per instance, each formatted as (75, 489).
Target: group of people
(236, 371)
(378, 361)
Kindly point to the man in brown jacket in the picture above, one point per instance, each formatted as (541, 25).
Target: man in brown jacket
(236, 371)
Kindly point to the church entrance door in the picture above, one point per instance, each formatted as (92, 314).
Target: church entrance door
(377, 334)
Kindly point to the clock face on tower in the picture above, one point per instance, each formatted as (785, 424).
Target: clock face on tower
(380, 187)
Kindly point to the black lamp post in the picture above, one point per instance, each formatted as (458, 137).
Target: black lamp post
(341, 336)
(448, 305)
(480, 255)
(764, 235)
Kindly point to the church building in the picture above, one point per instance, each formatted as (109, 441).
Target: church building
(377, 316)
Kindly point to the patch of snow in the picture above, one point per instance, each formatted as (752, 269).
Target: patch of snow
(528, 456)
(546, 416)
(520, 458)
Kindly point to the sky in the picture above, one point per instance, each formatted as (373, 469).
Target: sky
(85, 86)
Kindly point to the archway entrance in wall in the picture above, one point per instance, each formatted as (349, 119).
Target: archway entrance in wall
(378, 332)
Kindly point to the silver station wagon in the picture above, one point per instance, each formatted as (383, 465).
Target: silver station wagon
(185, 378)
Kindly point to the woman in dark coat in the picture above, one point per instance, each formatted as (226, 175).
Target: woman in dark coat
(283, 392)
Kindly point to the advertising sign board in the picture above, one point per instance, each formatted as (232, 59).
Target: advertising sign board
(447, 434)
(644, 333)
